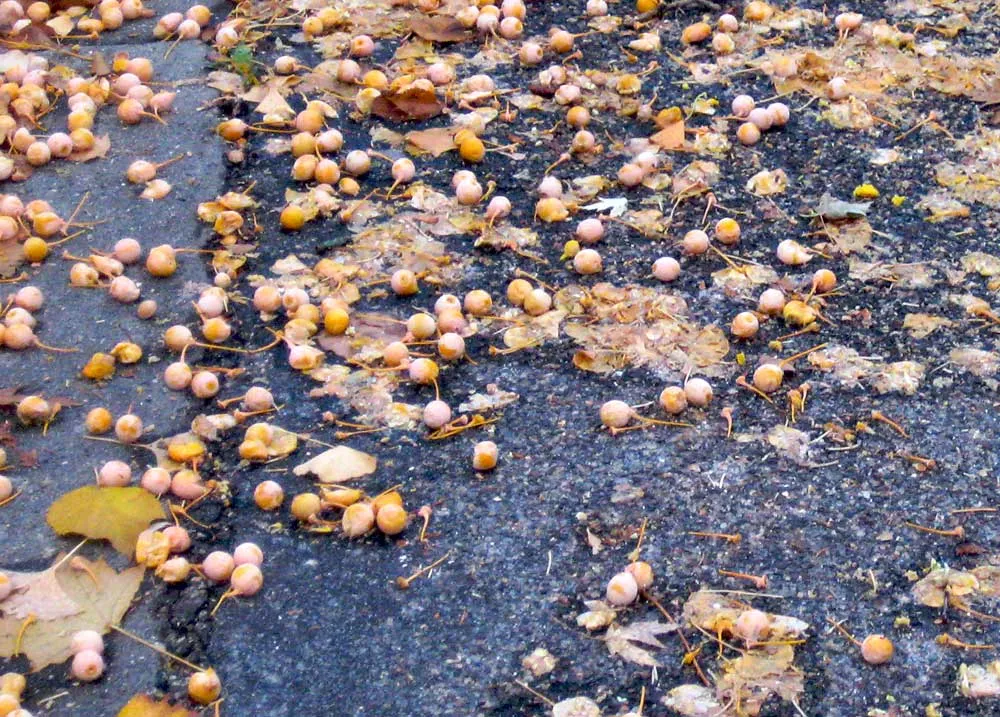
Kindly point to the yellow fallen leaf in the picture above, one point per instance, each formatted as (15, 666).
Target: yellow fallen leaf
(114, 514)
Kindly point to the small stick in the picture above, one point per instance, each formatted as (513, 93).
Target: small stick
(687, 645)
(404, 583)
(728, 537)
(973, 510)
(155, 648)
(537, 694)
(10, 498)
(842, 630)
(957, 532)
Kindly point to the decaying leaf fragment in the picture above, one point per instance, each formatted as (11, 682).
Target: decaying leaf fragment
(597, 616)
(921, 326)
(791, 443)
(941, 584)
(899, 377)
(977, 681)
(976, 361)
(337, 465)
(622, 641)
(576, 707)
(767, 182)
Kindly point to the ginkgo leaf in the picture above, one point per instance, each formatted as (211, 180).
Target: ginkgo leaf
(114, 514)
(146, 706)
(338, 465)
(103, 597)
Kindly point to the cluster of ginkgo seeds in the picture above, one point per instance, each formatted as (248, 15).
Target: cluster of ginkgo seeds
(617, 416)
(16, 17)
(186, 26)
(360, 514)
(625, 587)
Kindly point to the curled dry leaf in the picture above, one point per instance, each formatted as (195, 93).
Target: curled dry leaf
(114, 514)
(408, 104)
(337, 465)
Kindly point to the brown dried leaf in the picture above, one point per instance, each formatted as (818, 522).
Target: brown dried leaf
(976, 361)
(436, 141)
(103, 603)
(38, 594)
(670, 137)
(409, 104)
(921, 326)
(934, 589)
(438, 28)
